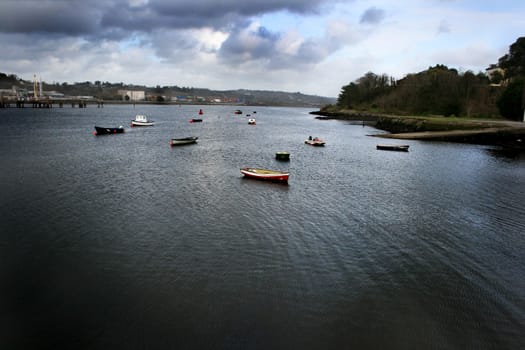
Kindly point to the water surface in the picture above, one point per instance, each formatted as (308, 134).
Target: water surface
(124, 241)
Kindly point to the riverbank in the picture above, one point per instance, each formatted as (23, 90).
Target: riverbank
(469, 130)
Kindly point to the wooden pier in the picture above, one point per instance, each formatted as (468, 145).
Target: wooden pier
(48, 103)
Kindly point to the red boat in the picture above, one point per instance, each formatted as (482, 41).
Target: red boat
(265, 174)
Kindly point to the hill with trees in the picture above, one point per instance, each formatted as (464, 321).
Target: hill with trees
(445, 91)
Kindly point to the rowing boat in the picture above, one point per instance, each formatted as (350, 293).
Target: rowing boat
(265, 174)
(400, 148)
(183, 141)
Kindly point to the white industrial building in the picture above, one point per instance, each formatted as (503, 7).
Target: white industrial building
(132, 95)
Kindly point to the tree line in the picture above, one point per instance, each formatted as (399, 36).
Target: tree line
(441, 90)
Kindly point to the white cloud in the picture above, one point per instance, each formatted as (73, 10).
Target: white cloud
(311, 46)
(290, 43)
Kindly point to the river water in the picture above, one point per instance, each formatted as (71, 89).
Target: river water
(124, 241)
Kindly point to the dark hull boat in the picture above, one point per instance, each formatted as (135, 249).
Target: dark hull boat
(282, 155)
(183, 141)
(195, 120)
(107, 131)
(399, 148)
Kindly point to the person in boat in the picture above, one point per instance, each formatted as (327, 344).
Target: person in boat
(310, 138)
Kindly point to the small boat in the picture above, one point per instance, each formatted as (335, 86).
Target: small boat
(265, 174)
(201, 112)
(141, 120)
(183, 141)
(238, 111)
(316, 141)
(107, 131)
(195, 120)
(282, 156)
(251, 121)
(400, 148)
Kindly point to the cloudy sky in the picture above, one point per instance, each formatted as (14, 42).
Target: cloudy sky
(308, 46)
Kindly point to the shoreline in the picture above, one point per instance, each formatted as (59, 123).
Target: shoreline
(504, 133)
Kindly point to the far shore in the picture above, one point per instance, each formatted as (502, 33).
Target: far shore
(499, 132)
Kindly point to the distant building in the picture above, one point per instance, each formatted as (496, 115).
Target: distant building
(132, 95)
(15, 93)
(181, 98)
(494, 70)
(54, 95)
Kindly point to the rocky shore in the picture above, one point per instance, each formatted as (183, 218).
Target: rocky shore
(503, 133)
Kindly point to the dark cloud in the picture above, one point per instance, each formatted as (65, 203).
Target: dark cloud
(260, 46)
(55, 17)
(245, 45)
(174, 46)
(106, 17)
(80, 35)
(373, 15)
(117, 20)
(212, 8)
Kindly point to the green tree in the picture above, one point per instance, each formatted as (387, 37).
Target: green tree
(514, 62)
(510, 103)
(349, 96)
(439, 90)
(364, 91)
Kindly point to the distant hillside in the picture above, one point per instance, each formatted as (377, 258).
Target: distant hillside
(168, 94)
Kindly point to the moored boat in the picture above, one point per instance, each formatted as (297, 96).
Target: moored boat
(183, 141)
(195, 120)
(108, 131)
(282, 155)
(265, 174)
(400, 148)
(142, 120)
(238, 111)
(315, 141)
(251, 121)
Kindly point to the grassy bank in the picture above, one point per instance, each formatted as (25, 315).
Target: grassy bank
(399, 124)
(456, 129)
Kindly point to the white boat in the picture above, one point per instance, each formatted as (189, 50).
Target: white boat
(141, 120)
(251, 121)
(316, 141)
